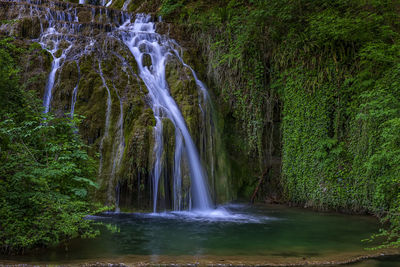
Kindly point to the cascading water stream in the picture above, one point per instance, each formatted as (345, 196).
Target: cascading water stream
(141, 39)
(120, 144)
(75, 92)
(199, 83)
(108, 115)
(119, 140)
(50, 82)
(158, 148)
(177, 172)
(55, 65)
(126, 4)
(118, 150)
(205, 106)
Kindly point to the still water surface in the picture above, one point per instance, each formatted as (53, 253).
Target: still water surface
(231, 231)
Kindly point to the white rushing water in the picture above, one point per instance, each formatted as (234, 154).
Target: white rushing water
(51, 41)
(142, 40)
(178, 205)
(229, 213)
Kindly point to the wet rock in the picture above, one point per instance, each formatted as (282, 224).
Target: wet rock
(29, 28)
(84, 16)
(146, 60)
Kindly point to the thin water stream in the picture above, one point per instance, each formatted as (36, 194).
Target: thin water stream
(108, 114)
(75, 92)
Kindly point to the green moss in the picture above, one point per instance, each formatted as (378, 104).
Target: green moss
(58, 53)
(35, 46)
(35, 65)
(118, 4)
(9, 22)
(184, 90)
(63, 88)
(29, 28)
(84, 16)
(91, 100)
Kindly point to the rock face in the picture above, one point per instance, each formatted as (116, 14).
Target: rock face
(83, 67)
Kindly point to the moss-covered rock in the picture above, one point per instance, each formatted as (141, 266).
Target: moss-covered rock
(36, 67)
(184, 90)
(62, 90)
(84, 16)
(29, 28)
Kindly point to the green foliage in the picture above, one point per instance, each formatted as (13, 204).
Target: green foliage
(169, 7)
(45, 174)
(333, 66)
(376, 148)
(239, 66)
(338, 80)
(8, 74)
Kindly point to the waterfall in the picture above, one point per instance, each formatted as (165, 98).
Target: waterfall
(50, 82)
(117, 195)
(118, 151)
(108, 114)
(55, 65)
(67, 39)
(141, 39)
(118, 142)
(177, 172)
(158, 148)
(75, 92)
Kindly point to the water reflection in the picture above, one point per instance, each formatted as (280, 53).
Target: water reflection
(232, 230)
